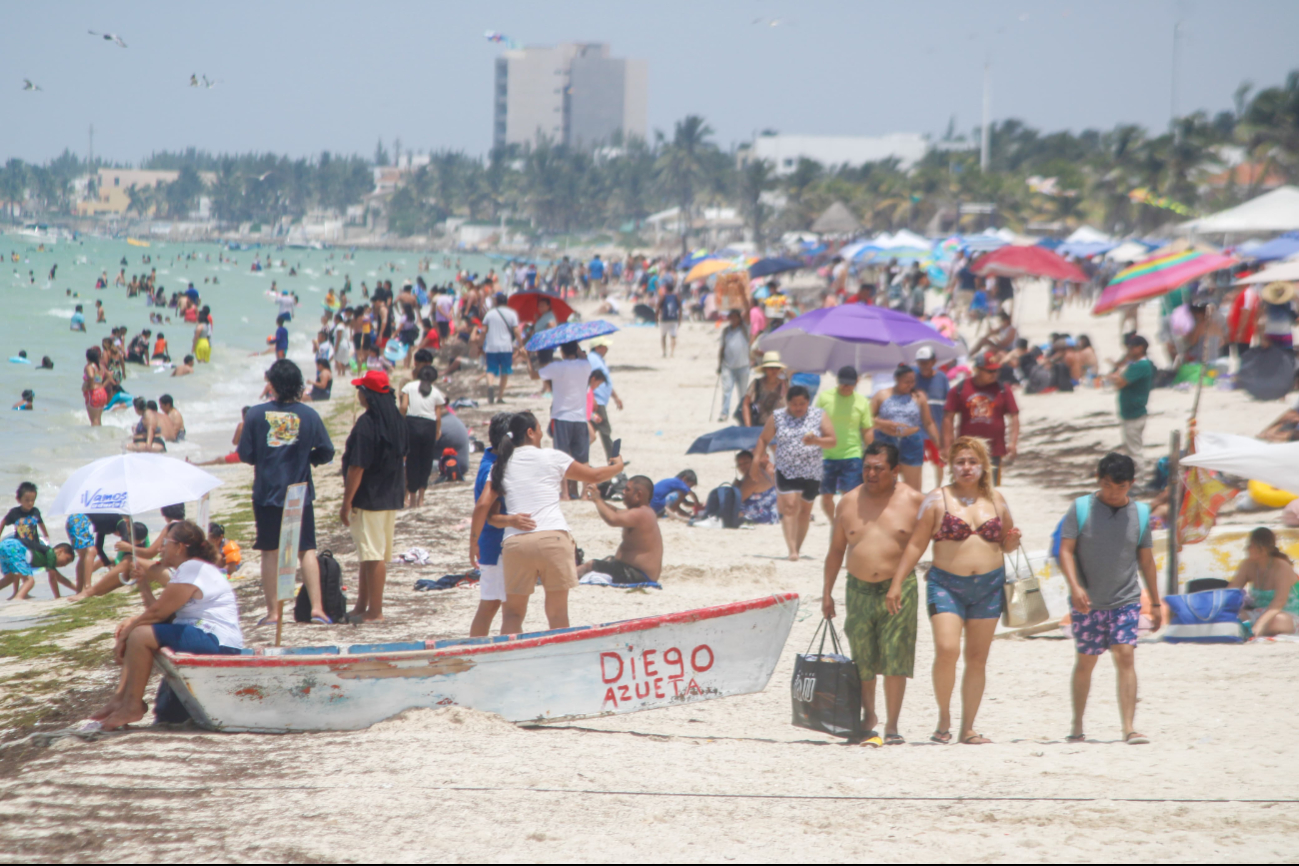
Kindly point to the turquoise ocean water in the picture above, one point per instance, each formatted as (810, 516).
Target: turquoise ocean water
(46, 445)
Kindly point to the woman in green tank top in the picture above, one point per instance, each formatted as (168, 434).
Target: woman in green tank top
(1273, 586)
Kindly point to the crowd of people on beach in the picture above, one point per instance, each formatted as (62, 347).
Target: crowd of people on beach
(862, 455)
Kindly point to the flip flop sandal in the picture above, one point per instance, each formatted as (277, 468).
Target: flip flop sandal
(1135, 739)
(969, 741)
(266, 620)
(871, 739)
(322, 620)
(941, 737)
(1076, 738)
(894, 740)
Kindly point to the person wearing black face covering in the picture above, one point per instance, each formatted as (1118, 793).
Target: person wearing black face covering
(373, 469)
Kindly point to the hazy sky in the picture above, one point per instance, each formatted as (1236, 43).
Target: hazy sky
(299, 78)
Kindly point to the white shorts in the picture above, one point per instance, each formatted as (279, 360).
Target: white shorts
(668, 329)
(491, 582)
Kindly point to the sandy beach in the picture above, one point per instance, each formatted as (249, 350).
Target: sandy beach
(720, 780)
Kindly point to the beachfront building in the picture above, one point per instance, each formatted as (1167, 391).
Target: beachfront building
(573, 93)
(784, 151)
(111, 191)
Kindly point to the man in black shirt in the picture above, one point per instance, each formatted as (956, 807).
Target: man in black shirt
(374, 473)
(282, 440)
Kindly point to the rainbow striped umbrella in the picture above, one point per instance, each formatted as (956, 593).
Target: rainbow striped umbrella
(1158, 275)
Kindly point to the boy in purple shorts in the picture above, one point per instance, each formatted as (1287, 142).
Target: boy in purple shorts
(1104, 541)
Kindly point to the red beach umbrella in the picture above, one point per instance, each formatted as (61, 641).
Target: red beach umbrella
(1034, 261)
(525, 304)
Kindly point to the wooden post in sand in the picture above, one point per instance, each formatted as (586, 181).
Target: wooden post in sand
(286, 562)
(1174, 507)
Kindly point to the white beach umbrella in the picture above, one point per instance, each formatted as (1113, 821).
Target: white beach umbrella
(1272, 462)
(131, 484)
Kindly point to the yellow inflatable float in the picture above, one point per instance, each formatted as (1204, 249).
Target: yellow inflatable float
(1266, 494)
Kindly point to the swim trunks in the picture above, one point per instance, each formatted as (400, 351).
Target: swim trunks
(500, 363)
(881, 643)
(809, 488)
(13, 558)
(81, 534)
(976, 596)
(620, 571)
(760, 508)
(1098, 630)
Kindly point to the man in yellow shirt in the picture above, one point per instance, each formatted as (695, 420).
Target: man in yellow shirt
(850, 413)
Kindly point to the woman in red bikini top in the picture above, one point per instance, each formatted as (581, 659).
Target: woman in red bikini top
(971, 528)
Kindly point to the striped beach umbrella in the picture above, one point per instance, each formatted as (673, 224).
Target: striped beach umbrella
(1158, 275)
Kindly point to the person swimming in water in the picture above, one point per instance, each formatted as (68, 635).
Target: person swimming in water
(25, 404)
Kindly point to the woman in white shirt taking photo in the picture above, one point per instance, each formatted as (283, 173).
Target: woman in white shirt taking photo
(538, 543)
(206, 620)
(422, 404)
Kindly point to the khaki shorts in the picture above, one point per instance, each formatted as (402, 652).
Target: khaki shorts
(372, 532)
(549, 555)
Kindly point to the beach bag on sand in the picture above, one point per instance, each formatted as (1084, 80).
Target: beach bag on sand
(1212, 616)
(827, 688)
(332, 598)
(1024, 605)
(724, 504)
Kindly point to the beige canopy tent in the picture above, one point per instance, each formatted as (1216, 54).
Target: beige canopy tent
(837, 220)
(1275, 211)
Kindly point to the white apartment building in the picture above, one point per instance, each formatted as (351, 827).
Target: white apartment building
(572, 93)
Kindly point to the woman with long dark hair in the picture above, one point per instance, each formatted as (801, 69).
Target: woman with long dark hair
(422, 404)
(529, 478)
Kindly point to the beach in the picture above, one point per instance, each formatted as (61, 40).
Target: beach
(716, 780)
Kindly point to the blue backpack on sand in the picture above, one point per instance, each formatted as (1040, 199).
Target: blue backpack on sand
(1083, 504)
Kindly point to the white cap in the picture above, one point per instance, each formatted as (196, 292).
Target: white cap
(925, 353)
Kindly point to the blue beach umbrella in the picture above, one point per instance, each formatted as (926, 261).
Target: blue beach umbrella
(726, 439)
(777, 265)
(568, 333)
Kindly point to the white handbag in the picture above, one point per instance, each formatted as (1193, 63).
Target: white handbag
(1024, 605)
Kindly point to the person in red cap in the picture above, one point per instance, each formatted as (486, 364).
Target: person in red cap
(983, 405)
(374, 472)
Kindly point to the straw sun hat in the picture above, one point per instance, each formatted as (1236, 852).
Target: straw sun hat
(771, 359)
(1278, 293)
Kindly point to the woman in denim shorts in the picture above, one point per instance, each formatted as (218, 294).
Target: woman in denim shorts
(972, 529)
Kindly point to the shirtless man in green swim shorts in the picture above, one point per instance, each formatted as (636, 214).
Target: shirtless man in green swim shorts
(873, 524)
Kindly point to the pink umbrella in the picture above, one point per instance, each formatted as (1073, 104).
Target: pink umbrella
(1158, 275)
(1034, 261)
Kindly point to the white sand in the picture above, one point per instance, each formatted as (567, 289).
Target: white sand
(457, 785)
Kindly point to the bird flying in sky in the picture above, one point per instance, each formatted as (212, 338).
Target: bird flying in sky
(27, 85)
(109, 37)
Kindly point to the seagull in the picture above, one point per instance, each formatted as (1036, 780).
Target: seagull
(109, 37)
(27, 85)
(193, 80)
(209, 83)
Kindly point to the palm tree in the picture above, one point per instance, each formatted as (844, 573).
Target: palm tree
(681, 168)
(756, 177)
(142, 199)
(1271, 127)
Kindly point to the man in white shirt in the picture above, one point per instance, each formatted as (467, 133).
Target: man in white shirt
(501, 327)
(568, 380)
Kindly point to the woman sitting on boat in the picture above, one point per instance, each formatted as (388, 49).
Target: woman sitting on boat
(538, 544)
(1272, 584)
(206, 620)
(971, 529)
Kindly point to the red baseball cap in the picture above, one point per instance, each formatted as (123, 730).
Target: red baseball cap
(987, 361)
(374, 380)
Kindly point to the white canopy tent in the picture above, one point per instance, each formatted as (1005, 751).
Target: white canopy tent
(1276, 464)
(1286, 272)
(1087, 235)
(1128, 251)
(1275, 211)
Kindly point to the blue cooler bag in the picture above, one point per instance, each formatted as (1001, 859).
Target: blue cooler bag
(1212, 616)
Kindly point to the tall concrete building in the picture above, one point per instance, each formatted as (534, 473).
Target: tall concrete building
(573, 93)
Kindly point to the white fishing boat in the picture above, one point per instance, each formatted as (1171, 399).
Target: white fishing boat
(37, 233)
(622, 667)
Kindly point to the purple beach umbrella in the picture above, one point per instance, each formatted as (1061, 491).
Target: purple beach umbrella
(872, 339)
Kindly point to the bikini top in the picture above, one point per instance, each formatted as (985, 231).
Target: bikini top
(954, 528)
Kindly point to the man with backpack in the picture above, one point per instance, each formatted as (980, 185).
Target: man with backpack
(639, 558)
(1104, 541)
(669, 318)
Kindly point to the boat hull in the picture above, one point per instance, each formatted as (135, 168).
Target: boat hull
(621, 667)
